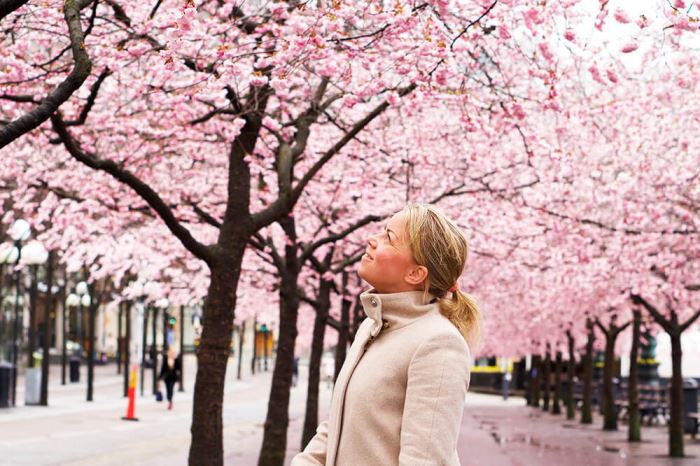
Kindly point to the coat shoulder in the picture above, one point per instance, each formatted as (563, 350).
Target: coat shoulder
(437, 330)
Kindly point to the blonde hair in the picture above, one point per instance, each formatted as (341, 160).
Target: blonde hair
(439, 245)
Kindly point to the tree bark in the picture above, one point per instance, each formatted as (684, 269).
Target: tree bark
(341, 350)
(154, 352)
(546, 373)
(609, 412)
(586, 414)
(556, 405)
(536, 380)
(31, 343)
(92, 309)
(120, 341)
(127, 346)
(674, 329)
(48, 310)
(207, 425)
(311, 416)
(274, 443)
(570, 368)
(634, 430)
(675, 424)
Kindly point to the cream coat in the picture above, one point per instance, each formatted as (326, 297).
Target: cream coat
(400, 395)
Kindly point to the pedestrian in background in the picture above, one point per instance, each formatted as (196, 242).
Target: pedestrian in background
(295, 371)
(170, 373)
(399, 397)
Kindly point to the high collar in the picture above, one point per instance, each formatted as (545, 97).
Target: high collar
(395, 310)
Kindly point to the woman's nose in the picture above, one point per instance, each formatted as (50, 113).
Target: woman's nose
(372, 241)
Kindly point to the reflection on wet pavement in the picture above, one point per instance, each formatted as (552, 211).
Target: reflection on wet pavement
(509, 433)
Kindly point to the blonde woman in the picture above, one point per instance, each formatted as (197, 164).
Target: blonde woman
(399, 397)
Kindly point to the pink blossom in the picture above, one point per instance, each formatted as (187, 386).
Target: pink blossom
(546, 53)
(569, 35)
(393, 98)
(629, 47)
(612, 76)
(621, 16)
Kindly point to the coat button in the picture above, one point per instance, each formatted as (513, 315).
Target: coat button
(373, 301)
(385, 324)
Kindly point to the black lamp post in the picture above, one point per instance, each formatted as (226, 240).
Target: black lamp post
(19, 232)
(83, 291)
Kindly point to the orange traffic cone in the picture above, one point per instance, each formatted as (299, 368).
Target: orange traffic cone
(132, 396)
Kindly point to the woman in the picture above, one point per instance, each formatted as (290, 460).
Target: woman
(170, 374)
(399, 397)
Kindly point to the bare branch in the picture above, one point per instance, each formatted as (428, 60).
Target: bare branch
(142, 189)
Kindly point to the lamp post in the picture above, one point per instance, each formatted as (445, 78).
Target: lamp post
(72, 301)
(83, 292)
(19, 232)
(34, 255)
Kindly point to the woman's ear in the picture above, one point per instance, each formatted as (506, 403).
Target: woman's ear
(416, 275)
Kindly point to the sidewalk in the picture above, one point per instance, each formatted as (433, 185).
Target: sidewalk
(509, 433)
(72, 431)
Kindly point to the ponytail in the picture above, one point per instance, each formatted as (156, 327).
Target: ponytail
(464, 313)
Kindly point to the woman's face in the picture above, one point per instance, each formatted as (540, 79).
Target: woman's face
(388, 264)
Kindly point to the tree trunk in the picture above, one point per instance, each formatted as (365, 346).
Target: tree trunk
(31, 340)
(120, 341)
(154, 352)
(341, 350)
(311, 417)
(609, 412)
(570, 368)
(556, 405)
(46, 343)
(181, 381)
(546, 375)
(586, 414)
(92, 309)
(634, 430)
(144, 342)
(675, 424)
(127, 346)
(536, 380)
(207, 425)
(274, 443)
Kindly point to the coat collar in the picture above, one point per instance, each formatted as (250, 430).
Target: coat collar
(395, 310)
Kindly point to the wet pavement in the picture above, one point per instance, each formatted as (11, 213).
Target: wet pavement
(505, 434)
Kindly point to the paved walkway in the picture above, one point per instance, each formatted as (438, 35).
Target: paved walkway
(72, 431)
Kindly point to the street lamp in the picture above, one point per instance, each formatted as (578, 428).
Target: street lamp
(33, 254)
(19, 232)
(83, 291)
(72, 301)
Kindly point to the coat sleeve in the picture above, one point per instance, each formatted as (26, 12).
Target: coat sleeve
(315, 452)
(438, 378)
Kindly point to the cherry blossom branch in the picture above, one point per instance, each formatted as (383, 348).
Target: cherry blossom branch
(332, 238)
(357, 127)
(65, 89)
(655, 313)
(94, 89)
(142, 189)
(466, 28)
